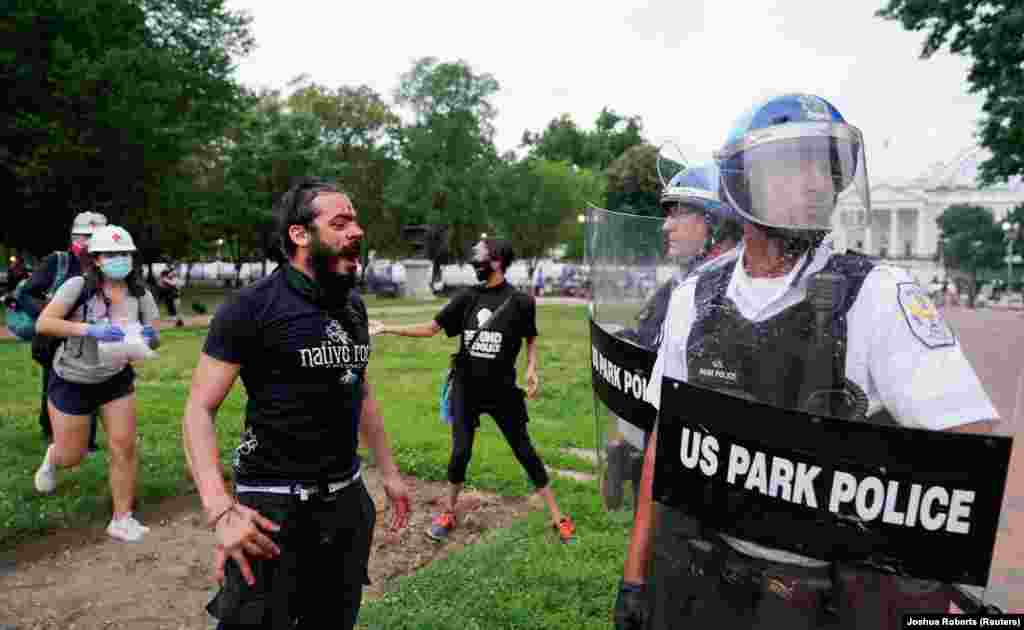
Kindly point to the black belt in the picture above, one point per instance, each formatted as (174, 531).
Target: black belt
(748, 578)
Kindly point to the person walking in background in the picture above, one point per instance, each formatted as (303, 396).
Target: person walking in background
(51, 273)
(169, 293)
(485, 377)
(538, 280)
(16, 273)
(88, 310)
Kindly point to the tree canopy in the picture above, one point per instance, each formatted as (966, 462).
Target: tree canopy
(990, 33)
(104, 99)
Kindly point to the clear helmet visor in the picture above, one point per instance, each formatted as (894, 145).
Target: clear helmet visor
(793, 176)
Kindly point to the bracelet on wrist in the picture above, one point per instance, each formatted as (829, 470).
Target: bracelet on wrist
(632, 587)
(216, 519)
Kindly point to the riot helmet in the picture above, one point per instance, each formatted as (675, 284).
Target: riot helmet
(695, 191)
(788, 161)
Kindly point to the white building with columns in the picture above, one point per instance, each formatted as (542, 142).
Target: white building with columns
(902, 228)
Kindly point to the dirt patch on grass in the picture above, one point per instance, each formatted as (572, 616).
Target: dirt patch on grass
(81, 580)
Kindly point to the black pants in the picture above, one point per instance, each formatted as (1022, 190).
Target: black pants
(44, 410)
(317, 581)
(168, 297)
(507, 405)
(698, 581)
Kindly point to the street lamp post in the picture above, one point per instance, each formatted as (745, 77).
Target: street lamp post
(1012, 230)
(220, 255)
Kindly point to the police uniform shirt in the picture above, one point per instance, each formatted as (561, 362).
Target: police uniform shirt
(302, 361)
(899, 350)
(491, 352)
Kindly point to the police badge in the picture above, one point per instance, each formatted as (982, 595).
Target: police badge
(924, 319)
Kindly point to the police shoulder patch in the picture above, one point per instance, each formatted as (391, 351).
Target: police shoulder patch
(924, 320)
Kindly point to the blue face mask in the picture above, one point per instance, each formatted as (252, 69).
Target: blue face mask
(116, 267)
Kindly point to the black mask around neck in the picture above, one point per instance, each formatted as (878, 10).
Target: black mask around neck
(328, 290)
(483, 269)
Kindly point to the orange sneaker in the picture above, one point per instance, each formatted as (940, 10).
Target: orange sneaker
(442, 526)
(566, 530)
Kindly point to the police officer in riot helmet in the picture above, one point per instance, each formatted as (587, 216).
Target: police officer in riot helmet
(785, 165)
(698, 228)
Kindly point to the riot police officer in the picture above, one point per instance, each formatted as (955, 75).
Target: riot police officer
(784, 166)
(698, 229)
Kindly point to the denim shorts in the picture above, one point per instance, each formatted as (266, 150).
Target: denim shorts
(82, 399)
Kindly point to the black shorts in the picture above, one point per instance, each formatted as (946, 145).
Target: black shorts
(318, 579)
(82, 399)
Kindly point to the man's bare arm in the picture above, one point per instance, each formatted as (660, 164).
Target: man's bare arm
(982, 427)
(638, 556)
(211, 382)
(372, 433)
(428, 329)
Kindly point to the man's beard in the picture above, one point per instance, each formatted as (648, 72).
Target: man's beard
(324, 262)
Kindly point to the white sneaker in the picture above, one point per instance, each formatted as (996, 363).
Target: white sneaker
(127, 529)
(46, 475)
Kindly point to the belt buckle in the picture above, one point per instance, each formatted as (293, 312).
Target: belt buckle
(325, 493)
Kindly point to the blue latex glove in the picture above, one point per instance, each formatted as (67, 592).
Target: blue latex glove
(149, 335)
(105, 332)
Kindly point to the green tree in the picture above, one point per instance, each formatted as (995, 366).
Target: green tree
(540, 200)
(990, 34)
(357, 127)
(633, 184)
(971, 242)
(106, 97)
(258, 161)
(447, 161)
(613, 134)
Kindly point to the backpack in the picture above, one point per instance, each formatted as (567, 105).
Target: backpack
(23, 325)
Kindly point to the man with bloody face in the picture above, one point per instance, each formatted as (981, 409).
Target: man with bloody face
(294, 539)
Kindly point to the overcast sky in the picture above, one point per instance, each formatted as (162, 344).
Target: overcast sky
(688, 68)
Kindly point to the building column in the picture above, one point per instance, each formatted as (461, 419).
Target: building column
(867, 236)
(894, 233)
(923, 246)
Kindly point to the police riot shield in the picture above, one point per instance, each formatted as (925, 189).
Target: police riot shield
(631, 282)
(851, 427)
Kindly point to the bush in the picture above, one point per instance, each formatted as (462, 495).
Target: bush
(199, 308)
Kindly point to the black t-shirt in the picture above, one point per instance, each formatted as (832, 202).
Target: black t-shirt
(302, 365)
(492, 352)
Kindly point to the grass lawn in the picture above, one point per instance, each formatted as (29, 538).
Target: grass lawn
(211, 298)
(517, 578)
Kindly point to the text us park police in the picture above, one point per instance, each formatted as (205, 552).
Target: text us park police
(871, 498)
(619, 377)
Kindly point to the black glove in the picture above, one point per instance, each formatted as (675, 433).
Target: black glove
(631, 606)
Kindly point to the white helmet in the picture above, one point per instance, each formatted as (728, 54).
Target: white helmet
(88, 223)
(111, 238)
